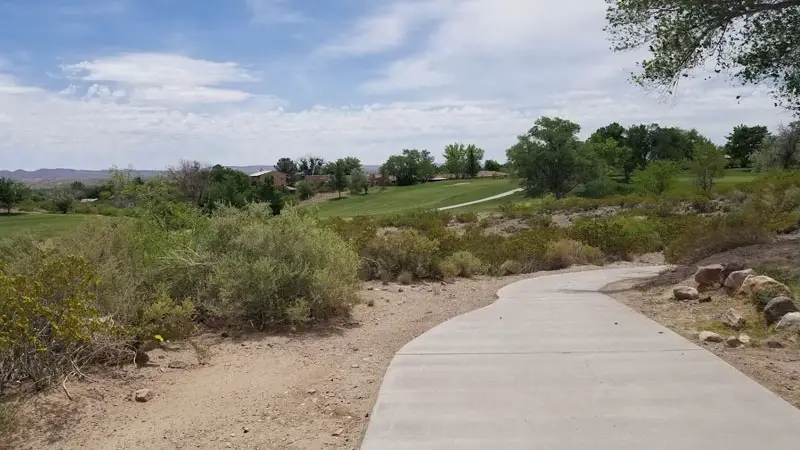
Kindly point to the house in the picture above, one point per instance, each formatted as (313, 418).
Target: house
(278, 178)
(317, 179)
(376, 179)
(491, 174)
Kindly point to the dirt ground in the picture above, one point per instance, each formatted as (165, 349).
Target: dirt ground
(293, 391)
(778, 369)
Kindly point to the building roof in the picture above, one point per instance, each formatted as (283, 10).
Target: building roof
(263, 172)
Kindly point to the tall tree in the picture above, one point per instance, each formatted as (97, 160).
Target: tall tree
(780, 150)
(455, 159)
(411, 167)
(311, 165)
(12, 192)
(611, 144)
(551, 158)
(473, 163)
(358, 182)
(657, 177)
(288, 167)
(492, 165)
(708, 164)
(757, 41)
(744, 141)
(338, 171)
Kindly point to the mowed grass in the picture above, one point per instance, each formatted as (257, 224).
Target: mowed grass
(732, 177)
(39, 225)
(426, 196)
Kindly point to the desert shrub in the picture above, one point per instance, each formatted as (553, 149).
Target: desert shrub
(702, 204)
(448, 269)
(165, 318)
(249, 266)
(405, 278)
(48, 321)
(466, 263)
(466, 217)
(424, 220)
(399, 251)
(617, 238)
(510, 267)
(358, 230)
(8, 419)
(305, 190)
(707, 236)
(564, 253)
(657, 178)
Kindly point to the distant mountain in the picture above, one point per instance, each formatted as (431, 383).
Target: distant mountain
(45, 177)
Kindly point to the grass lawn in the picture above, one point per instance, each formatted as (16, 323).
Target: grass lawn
(40, 225)
(428, 196)
(732, 177)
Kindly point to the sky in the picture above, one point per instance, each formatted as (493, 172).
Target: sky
(92, 84)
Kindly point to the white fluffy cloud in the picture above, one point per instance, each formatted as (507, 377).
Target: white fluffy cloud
(472, 70)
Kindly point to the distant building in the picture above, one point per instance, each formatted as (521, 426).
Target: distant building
(278, 178)
(491, 174)
(317, 178)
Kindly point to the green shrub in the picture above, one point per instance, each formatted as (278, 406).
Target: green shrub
(253, 267)
(702, 204)
(165, 318)
(566, 252)
(510, 267)
(466, 217)
(703, 238)
(448, 269)
(617, 238)
(48, 321)
(305, 190)
(657, 178)
(399, 251)
(466, 263)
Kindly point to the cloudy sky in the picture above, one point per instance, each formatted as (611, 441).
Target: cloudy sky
(146, 83)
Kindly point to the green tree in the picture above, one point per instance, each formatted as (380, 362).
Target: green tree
(657, 177)
(338, 171)
(780, 150)
(358, 182)
(473, 162)
(305, 190)
(411, 167)
(455, 159)
(744, 141)
(288, 167)
(551, 158)
(352, 163)
(611, 144)
(12, 192)
(311, 165)
(755, 40)
(708, 164)
(492, 165)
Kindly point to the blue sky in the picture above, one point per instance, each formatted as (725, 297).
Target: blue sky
(146, 83)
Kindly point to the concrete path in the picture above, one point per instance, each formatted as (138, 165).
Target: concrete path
(475, 202)
(553, 364)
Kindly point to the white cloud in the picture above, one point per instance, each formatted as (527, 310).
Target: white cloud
(274, 12)
(386, 29)
(164, 78)
(159, 69)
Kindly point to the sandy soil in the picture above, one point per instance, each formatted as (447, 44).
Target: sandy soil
(776, 369)
(293, 391)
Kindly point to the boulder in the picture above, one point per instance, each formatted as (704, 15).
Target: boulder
(177, 364)
(777, 308)
(735, 279)
(733, 342)
(760, 289)
(730, 267)
(143, 395)
(733, 319)
(774, 343)
(685, 293)
(709, 275)
(710, 336)
(790, 321)
(744, 339)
